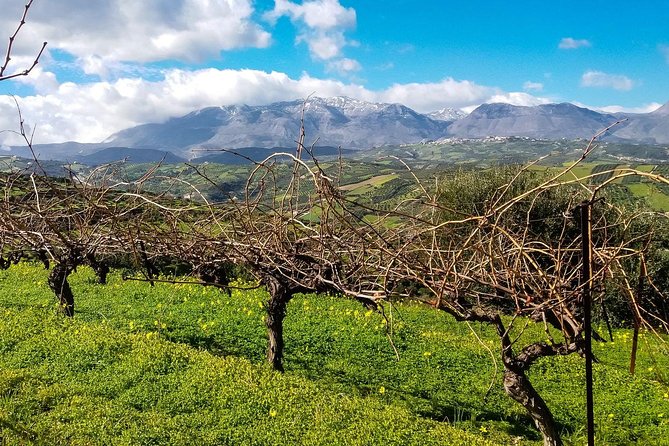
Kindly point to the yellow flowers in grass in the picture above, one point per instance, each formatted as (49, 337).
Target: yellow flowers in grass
(160, 325)
(382, 390)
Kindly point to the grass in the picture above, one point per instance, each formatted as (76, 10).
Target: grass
(655, 198)
(178, 364)
(652, 193)
(366, 185)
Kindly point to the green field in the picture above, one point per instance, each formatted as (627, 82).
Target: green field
(653, 194)
(183, 364)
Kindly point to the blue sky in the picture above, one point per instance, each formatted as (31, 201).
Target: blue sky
(111, 64)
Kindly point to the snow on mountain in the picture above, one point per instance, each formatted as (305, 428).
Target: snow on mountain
(338, 121)
(356, 124)
(447, 114)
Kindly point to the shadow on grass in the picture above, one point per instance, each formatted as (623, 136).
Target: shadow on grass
(19, 431)
(213, 345)
(422, 402)
(419, 401)
(517, 426)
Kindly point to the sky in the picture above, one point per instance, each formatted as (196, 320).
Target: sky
(113, 64)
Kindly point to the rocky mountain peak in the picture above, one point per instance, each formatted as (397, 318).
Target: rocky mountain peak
(447, 114)
(662, 111)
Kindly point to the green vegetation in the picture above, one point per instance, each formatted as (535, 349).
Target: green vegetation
(633, 187)
(387, 183)
(179, 364)
(373, 176)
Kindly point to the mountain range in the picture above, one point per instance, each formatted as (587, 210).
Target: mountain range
(352, 124)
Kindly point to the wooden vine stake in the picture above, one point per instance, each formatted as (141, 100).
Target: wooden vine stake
(586, 236)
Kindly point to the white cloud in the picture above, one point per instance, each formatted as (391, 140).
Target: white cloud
(425, 97)
(316, 14)
(604, 80)
(569, 43)
(533, 86)
(646, 108)
(40, 79)
(518, 98)
(321, 22)
(324, 46)
(91, 112)
(344, 66)
(99, 32)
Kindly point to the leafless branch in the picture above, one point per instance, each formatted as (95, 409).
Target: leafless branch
(10, 46)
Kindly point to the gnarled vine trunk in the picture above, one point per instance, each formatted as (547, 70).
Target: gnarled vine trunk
(516, 383)
(100, 268)
(276, 313)
(519, 387)
(61, 287)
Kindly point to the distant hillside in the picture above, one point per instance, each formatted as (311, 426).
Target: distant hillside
(351, 124)
(354, 124)
(135, 156)
(649, 127)
(344, 122)
(65, 151)
(550, 121)
(247, 155)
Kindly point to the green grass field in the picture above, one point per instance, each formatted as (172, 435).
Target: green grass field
(653, 194)
(183, 364)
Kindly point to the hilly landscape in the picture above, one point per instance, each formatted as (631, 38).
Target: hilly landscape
(334, 223)
(335, 121)
(354, 125)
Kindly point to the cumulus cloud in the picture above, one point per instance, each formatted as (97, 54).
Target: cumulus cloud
(91, 112)
(513, 98)
(604, 80)
(101, 32)
(646, 108)
(344, 66)
(316, 14)
(321, 22)
(533, 86)
(324, 46)
(569, 43)
(518, 98)
(41, 80)
(430, 96)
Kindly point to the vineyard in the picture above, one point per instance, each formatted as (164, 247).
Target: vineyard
(393, 302)
(177, 364)
(497, 253)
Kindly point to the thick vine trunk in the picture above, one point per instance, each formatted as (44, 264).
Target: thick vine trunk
(100, 267)
(61, 287)
(276, 313)
(101, 271)
(518, 387)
